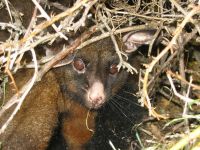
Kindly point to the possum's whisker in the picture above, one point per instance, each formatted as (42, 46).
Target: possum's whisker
(122, 107)
(119, 107)
(129, 92)
(121, 98)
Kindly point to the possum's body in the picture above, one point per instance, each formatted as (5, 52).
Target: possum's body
(87, 83)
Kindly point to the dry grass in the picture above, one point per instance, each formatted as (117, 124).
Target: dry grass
(177, 37)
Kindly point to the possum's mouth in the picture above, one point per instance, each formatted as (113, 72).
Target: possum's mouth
(94, 106)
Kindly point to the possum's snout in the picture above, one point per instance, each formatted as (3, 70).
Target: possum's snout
(95, 95)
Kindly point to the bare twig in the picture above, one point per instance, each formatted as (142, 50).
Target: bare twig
(39, 28)
(21, 99)
(186, 99)
(65, 52)
(145, 97)
(177, 76)
(45, 15)
(122, 63)
(8, 8)
(33, 19)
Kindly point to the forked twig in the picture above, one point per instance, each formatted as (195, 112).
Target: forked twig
(145, 97)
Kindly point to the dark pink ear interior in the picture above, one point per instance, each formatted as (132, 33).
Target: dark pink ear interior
(134, 39)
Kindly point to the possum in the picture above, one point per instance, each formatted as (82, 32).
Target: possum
(76, 91)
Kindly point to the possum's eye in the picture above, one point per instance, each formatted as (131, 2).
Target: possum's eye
(79, 65)
(113, 69)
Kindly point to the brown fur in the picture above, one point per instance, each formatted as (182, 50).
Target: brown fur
(75, 130)
(33, 125)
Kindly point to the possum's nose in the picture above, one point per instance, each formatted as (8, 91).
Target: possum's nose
(96, 95)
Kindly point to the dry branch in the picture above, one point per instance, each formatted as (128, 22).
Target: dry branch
(178, 29)
(145, 97)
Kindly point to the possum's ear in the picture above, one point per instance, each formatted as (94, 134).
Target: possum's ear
(133, 40)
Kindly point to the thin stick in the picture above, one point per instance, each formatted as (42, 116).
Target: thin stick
(21, 99)
(145, 97)
(177, 76)
(65, 52)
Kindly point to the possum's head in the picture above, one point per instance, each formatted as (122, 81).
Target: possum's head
(93, 77)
